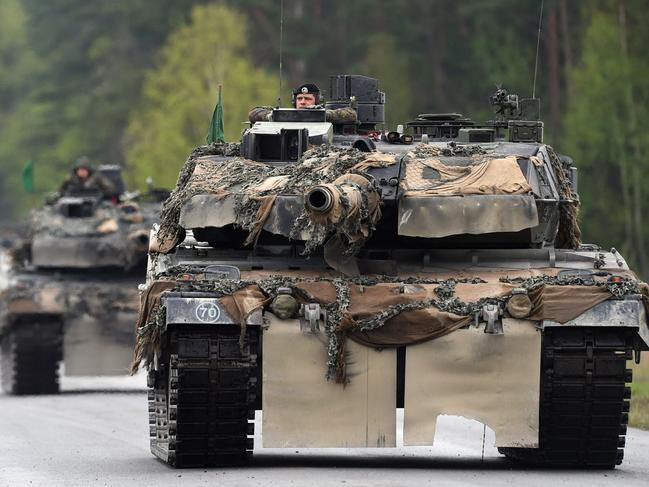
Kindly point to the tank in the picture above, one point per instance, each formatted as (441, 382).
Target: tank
(328, 274)
(68, 291)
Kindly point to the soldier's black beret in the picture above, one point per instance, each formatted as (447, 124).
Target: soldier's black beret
(306, 88)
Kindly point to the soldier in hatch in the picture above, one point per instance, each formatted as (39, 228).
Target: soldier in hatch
(306, 96)
(84, 178)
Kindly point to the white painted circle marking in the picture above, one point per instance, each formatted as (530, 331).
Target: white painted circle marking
(208, 312)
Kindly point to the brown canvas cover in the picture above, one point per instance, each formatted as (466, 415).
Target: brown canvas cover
(380, 312)
(488, 194)
(499, 175)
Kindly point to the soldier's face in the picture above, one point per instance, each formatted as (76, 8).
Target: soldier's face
(82, 172)
(304, 100)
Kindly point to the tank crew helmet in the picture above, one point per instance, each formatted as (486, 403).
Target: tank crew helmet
(83, 163)
(305, 88)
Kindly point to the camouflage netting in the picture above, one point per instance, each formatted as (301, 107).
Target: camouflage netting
(354, 211)
(424, 151)
(255, 187)
(383, 311)
(569, 233)
(107, 219)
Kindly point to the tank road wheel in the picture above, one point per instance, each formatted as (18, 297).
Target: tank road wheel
(31, 351)
(202, 398)
(584, 399)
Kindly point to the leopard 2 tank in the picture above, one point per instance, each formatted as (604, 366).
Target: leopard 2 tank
(328, 275)
(68, 292)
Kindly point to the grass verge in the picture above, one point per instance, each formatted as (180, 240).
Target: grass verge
(639, 415)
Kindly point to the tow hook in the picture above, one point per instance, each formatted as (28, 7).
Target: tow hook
(310, 316)
(491, 313)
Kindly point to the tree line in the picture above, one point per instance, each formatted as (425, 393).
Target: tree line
(135, 82)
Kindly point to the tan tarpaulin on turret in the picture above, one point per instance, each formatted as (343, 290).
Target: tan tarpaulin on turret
(487, 196)
(487, 176)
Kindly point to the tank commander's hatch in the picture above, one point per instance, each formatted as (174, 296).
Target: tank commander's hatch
(78, 206)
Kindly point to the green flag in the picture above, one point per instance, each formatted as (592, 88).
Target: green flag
(215, 132)
(28, 176)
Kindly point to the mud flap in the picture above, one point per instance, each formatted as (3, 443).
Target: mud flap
(493, 379)
(301, 409)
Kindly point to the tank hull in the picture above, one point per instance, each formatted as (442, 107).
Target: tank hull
(501, 379)
(82, 320)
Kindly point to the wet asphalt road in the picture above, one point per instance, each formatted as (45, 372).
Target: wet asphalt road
(86, 436)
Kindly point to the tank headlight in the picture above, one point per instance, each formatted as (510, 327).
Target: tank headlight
(284, 306)
(519, 304)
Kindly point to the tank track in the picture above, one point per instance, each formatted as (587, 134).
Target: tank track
(31, 352)
(584, 401)
(203, 396)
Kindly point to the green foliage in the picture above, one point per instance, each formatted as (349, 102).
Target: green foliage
(81, 65)
(602, 134)
(639, 415)
(180, 93)
(17, 62)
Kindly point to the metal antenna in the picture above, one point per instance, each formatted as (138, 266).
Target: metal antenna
(538, 43)
(281, 41)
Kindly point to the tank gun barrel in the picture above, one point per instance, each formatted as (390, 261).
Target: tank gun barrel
(319, 199)
(340, 199)
(350, 204)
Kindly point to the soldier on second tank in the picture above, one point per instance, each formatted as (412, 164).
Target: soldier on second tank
(85, 178)
(307, 96)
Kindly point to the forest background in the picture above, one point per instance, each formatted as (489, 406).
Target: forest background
(134, 82)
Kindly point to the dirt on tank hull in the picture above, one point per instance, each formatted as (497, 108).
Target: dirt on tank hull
(330, 285)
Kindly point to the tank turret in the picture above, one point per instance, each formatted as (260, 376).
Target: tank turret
(89, 229)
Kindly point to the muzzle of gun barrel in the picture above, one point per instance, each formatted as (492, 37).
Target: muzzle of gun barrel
(319, 199)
